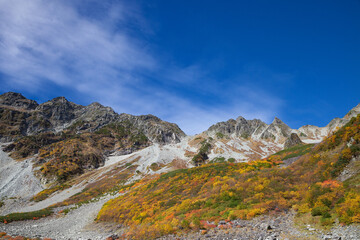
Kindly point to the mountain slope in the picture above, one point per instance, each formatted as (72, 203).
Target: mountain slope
(58, 140)
(66, 154)
(186, 199)
(247, 140)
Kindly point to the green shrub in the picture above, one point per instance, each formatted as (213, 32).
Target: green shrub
(26, 215)
(219, 135)
(218, 160)
(320, 211)
(326, 220)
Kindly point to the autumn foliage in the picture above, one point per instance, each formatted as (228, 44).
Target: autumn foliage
(184, 199)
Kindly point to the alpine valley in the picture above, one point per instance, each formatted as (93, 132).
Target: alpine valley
(69, 171)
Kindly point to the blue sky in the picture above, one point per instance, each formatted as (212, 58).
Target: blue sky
(189, 62)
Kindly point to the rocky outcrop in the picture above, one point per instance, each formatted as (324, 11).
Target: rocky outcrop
(276, 131)
(315, 133)
(154, 128)
(23, 117)
(93, 117)
(239, 127)
(353, 112)
(255, 129)
(58, 111)
(225, 128)
(292, 141)
(17, 101)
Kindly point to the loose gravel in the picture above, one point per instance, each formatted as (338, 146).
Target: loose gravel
(77, 224)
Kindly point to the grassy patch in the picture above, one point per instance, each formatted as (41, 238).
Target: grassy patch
(47, 192)
(303, 220)
(26, 215)
(156, 166)
(295, 151)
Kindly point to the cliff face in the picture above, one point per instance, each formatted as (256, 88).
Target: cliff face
(23, 117)
(292, 141)
(277, 132)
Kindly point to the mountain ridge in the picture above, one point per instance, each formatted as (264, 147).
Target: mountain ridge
(59, 114)
(241, 139)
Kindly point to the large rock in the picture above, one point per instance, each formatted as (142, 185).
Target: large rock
(292, 141)
(16, 100)
(276, 131)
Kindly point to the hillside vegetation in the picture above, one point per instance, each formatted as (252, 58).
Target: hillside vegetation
(182, 200)
(67, 154)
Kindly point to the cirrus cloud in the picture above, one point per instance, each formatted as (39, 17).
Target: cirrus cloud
(107, 58)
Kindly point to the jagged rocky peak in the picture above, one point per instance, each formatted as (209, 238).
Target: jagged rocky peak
(276, 131)
(318, 133)
(154, 128)
(277, 121)
(96, 105)
(58, 110)
(17, 100)
(292, 141)
(92, 117)
(59, 114)
(226, 128)
(239, 127)
(246, 128)
(96, 111)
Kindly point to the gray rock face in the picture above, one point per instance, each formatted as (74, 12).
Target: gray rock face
(154, 128)
(252, 129)
(278, 132)
(277, 129)
(93, 117)
(58, 111)
(239, 127)
(292, 141)
(59, 114)
(225, 128)
(246, 128)
(353, 112)
(17, 100)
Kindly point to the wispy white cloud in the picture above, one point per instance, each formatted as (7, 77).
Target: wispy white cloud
(99, 56)
(52, 41)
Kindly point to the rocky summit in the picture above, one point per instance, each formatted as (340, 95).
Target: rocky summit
(24, 117)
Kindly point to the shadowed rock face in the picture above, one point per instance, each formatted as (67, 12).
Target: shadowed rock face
(277, 129)
(17, 100)
(22, 117)
(154, 128)
(292, 141)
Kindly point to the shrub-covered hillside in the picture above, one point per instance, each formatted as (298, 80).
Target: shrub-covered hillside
(67, 154)
(180, 200)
